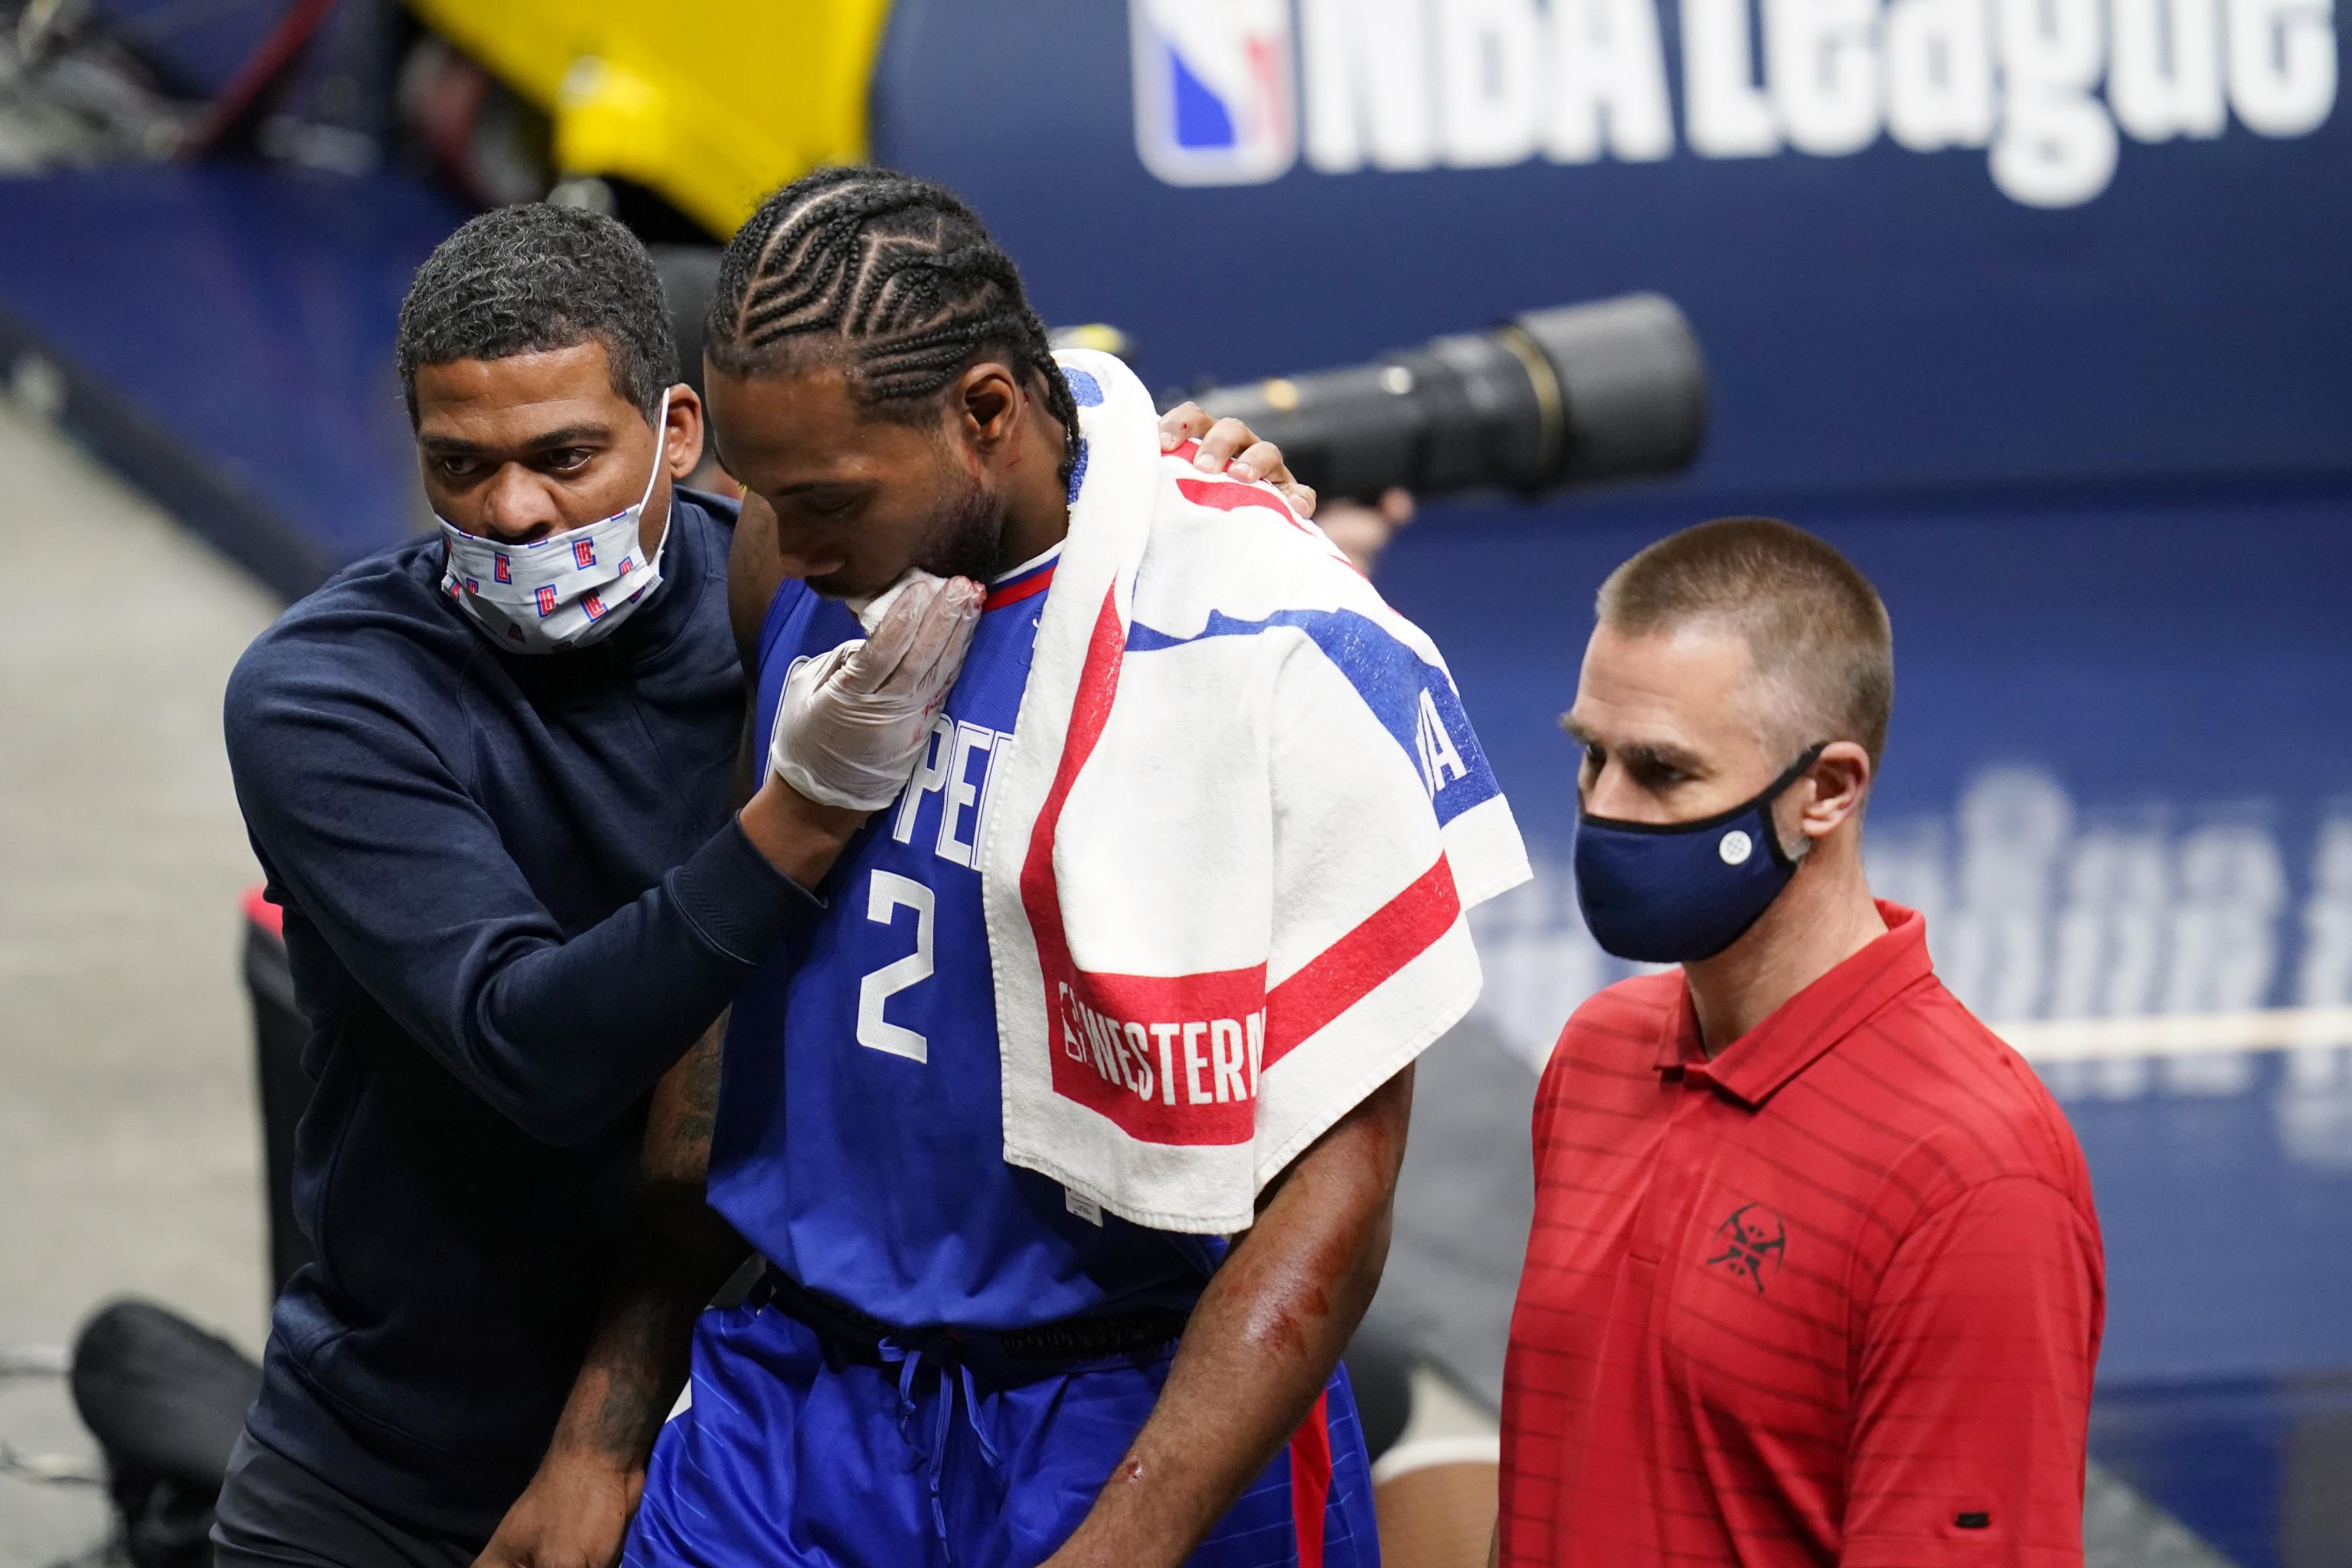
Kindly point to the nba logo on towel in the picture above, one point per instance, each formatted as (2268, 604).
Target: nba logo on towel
(1213, 100)
(546, 598)
(583, 554)
(502, 568)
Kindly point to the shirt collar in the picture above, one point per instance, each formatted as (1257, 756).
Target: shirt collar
(1809, 1024)
(1050, 553)
(1026, 581)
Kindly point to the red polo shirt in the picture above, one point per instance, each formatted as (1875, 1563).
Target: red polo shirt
(1834, 1297)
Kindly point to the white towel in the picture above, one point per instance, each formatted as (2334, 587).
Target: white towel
(1227, 857)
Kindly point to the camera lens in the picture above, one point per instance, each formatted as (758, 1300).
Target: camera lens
(1573, 395)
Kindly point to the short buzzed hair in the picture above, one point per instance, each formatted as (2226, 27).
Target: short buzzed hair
(530, 278)
(1815, 628)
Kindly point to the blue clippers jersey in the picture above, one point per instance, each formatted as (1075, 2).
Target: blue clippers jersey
(860, 1140)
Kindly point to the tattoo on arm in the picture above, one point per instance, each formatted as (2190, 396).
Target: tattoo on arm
(696, 1115)
(683, 1115)
(676, 1252)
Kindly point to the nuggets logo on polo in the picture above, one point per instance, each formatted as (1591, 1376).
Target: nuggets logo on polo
(583, 554)
(1753, 1240)
(1214, 104)
(504, 568)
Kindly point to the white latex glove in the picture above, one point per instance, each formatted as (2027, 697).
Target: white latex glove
(853, 722)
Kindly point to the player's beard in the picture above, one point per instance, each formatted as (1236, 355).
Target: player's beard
(969, 537)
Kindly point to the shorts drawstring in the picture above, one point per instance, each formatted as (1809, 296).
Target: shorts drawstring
(971, 1417)
(908, 1360)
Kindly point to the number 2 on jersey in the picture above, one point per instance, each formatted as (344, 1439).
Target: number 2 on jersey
(884, 895)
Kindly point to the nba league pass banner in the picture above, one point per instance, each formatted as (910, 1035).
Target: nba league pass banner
(2048, 89)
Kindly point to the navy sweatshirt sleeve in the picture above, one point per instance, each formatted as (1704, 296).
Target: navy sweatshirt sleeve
(363, 823)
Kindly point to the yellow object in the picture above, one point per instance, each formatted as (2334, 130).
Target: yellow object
(714, 103)
(1099, 336)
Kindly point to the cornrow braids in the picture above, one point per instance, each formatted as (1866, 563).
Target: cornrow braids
(892, 277)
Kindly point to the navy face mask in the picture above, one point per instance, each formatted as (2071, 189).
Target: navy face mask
(1674, 892)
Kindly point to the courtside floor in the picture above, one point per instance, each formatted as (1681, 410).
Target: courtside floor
(128, 1160)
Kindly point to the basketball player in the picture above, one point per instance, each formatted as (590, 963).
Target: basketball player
(947, 1360)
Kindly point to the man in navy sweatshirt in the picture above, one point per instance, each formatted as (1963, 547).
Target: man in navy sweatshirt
(489, 773)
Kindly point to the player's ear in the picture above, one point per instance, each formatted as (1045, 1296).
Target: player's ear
(988, 401)
(681, 435)
(1840, 779)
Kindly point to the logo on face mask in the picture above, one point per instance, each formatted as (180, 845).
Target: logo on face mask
(554, 598)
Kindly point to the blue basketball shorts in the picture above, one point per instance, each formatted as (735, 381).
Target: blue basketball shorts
(795, 1454)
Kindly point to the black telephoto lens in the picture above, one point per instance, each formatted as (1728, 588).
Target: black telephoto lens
(1574, 395)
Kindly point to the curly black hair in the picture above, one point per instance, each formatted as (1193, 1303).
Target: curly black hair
(892, 278)
(524, 279)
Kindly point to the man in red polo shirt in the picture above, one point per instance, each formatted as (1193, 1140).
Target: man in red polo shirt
(1814, 1277)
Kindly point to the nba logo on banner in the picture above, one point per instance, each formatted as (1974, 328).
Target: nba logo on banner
(583, 554)
(546, 598)
(502, 568)
(1213, 100)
